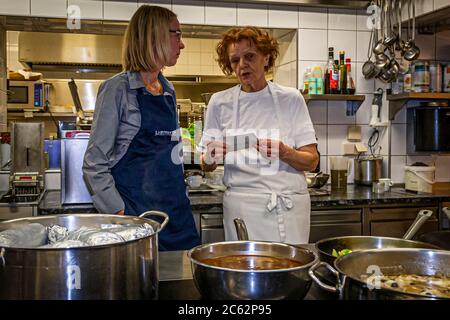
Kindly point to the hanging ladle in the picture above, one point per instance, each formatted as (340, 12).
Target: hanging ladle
(412, 52)
(392, 37)
(369, 68)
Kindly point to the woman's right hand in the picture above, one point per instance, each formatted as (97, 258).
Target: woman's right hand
(215, 152)
(121, 212)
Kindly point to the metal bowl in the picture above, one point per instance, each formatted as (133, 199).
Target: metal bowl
(219, 283)
(314, 180)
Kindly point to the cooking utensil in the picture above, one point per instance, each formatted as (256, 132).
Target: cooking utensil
(349, 269)
(368, 169)
(127, 270)
(356, 243)
(368, 68)
(412, 52)
(392, 36)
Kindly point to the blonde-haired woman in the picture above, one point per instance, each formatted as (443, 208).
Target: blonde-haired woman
(129, 164)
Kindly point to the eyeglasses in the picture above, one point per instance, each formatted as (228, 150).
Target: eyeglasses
(178, 33)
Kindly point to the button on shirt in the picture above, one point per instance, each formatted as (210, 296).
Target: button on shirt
(117, 120)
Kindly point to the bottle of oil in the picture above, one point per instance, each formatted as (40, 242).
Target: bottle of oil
(350, 83)
(342, 73)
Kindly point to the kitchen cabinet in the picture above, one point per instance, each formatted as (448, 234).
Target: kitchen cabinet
(394, 222)
(335, 223)
(16, 7)
(49, 8)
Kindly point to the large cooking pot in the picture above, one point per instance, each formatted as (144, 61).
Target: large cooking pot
(357, 243)
(351, 272)
(223, 283)
(218, 283)
(368, 169)
(126, 270)
(438, 238)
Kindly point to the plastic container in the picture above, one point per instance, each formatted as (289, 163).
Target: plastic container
(421, 77)
(419, 178)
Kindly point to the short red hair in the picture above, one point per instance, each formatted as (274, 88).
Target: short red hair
(264, 43)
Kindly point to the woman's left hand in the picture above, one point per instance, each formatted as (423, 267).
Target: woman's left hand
(272, 149)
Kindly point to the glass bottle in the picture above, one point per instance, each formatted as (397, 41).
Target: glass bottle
(342, 73)
(350, 83)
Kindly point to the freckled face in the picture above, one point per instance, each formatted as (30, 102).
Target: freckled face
(248, 64)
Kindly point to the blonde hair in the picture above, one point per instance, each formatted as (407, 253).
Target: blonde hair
(264, 43)
(146, 45)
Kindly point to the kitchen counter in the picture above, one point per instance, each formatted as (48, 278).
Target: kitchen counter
(354, 196)
(176, 282)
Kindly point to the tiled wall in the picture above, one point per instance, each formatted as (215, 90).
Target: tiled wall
(346, 30)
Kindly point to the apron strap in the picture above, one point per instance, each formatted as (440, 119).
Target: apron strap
(276, 201)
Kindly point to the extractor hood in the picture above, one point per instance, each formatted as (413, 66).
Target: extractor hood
(41, 51)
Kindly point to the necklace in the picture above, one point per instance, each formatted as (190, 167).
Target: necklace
(154, 87)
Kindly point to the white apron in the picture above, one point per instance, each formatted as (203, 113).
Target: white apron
(269, 214)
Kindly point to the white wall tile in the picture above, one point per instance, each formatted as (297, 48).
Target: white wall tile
(342, 19)
(253, 15)
(361, 20)
(321, 134)
(427, 46)
(337, 113)
(288, 48)
(398, 139)
(443, 168)
(16, 7)
(385, 168)
(362, 85)
(286, 74)
(313, 18)
(49, 8)
(443, 45)
(364, 112)
(189, 11)
(122, 11)
(220, 13)
(312, 44)
(398, 169)
(283, 16)
(383, 139)
(324, 165)
(441, 4)
(343, 40)
(89, 9)
(318, 112)
(162, 3)
(337, 135)
(362, 41)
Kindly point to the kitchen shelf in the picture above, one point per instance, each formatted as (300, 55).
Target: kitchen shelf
(37, 115)
(398, 101)
(354, 101)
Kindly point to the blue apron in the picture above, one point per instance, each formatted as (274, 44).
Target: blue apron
(148, 179)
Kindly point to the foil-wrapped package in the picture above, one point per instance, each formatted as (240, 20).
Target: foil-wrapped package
(57, 233)
(102, 237)
(81, 233)
(66, 244)
(28, 236)
(132, 232)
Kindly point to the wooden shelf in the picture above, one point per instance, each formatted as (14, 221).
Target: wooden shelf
(354, 101)
(398, 101)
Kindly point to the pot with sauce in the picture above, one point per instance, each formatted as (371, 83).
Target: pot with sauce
(251, 270)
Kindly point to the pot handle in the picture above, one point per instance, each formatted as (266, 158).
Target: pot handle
(2, 257)
(159, 214)
(422, 216)
(313, 276)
